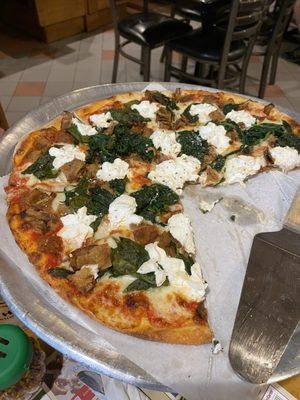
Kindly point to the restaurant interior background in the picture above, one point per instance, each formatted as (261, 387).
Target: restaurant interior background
(48, 48)
(51, 47)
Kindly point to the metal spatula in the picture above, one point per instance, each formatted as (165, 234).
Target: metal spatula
(269, 308)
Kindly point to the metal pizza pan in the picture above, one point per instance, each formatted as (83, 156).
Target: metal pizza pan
(52, 326)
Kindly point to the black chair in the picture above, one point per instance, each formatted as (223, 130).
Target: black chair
(206, 12)
(147, 29)
(203, 11)
(222, 47)
(272, 36)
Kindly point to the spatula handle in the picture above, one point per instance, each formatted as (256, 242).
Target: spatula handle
(292, 220)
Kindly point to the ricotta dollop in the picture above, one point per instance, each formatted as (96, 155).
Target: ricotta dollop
(181, 229)
(146, 109)
(101, 120)
(84, 129)
(238, 168)
(65, 154)
(174, 173)
(215, 135)
(76, 228)
(122, 212)
(191, 286)
(166, 142)
(118, 169)
(202, 111)
(241, 116)
(286, 158)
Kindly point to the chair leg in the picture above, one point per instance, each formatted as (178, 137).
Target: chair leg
(116, 60)
(264, 75)
(162, 56)
(3, 120)
(245, 64)
(146, 63)
(142, 59)
(168, 64)
(184, 61)
(274, 66)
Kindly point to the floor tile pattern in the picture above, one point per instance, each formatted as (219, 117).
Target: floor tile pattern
(33, 73)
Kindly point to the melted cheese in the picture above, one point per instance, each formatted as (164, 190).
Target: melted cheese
(65, 154)
(190, 286)
(286, 158)
(215, 135)
(174, 173)
(76, 228)
(202, 111)
(237, 169)
(146, 109)
(166, 142)
(115, 170)
(84, 129)
(181, 229)
(241, 116)
(101, 120)
(122, 212)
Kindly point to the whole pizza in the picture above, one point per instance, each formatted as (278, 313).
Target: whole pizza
(95, 200)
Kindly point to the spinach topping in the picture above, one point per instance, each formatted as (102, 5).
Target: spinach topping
(188, 262)
(218, 163)
(230, 107)
(123, 143)
(160, 98)
(192, 119)
(283, 134)
(133, 143)
(127, 257)
(192, 144)
(101, 148)
(77, 136)
(153, 200)
(103, 272)
(230, 126)
(42, 168)
(286, 137)
(145, 282)
(257, 133)
(95, 199)
(127, 116)
(60, 272)
(290, 140)
(118, 185)
(139, 284)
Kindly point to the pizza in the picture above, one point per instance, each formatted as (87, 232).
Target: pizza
(94, 200)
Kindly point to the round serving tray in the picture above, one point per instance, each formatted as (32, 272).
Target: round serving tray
(37, 313)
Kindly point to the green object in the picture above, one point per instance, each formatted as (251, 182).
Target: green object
(192, 144)
(16, 351)
(43, 168)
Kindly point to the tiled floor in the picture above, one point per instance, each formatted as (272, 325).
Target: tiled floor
(32, 73)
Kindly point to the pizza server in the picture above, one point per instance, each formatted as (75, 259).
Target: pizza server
(269, 307)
